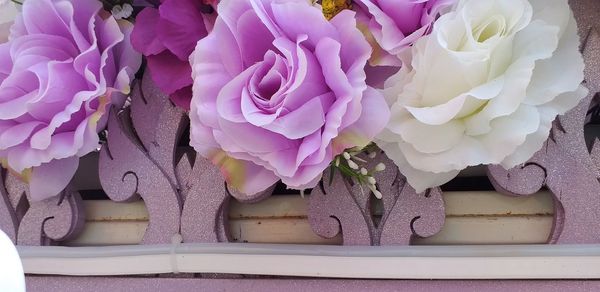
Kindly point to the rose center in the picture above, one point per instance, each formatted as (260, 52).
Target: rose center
(269, 85)
(268, 80)
(491, 27)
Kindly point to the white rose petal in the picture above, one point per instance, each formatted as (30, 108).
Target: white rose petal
(482, 88)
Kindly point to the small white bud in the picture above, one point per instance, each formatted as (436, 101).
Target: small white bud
(346, 155)
(352, 164)
(372, 155)
(363, 171)
(128, 9)
(121, 12)
(116, 10)
(371, 180)
(377, 194)
(337, 161)
(380, 167)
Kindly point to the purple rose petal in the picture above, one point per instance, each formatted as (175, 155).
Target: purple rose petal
(167, 36)
(65, 64)
(279, 91)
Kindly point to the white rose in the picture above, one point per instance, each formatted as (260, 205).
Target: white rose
(8, 13)
(483, 88)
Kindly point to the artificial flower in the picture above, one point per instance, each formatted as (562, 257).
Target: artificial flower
(66, 62)
(167, 36)
(482, 88)
(279, 91)
(394, 25)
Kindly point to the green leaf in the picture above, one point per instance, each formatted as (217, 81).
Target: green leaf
(331, 173)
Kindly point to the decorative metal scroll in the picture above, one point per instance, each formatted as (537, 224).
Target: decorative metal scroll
(205, 213)
(564, 165)
(183, 192)
(344, 207)
(47, 222)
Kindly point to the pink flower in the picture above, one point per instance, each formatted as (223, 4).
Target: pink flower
(167, 36)
(279, 91)
(393, 25)
(66, 62)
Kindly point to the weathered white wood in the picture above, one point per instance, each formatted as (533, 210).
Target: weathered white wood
(472, 218)
(106, 210)
(493, 203)
(491, 230)
(457, 230)
(110, 233)
(457, 204)
(275, 206)
(277, 231)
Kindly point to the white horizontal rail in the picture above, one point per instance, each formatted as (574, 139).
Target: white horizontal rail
(413, 262)
(471, 218)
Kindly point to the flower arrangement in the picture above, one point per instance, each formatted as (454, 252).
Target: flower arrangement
(284, 90)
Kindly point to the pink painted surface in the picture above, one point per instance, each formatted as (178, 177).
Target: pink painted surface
(184, 195)
(53, 220)
(46, 222)
(333, 209)
(9, 223)
(205, 212)
(564, 165)
(127, 173)
(346, 208)
(114, 284)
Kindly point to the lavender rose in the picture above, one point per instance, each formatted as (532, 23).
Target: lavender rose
(394, 25)
(279, 91)
(66, 62)
(167, 36)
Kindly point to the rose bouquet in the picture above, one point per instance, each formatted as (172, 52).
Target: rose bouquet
(284, 90)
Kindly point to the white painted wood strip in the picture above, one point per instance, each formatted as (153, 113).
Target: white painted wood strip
(457, 204)
(493, 203)
(489, 262)
(110, 233)
(327, 267)
(275, 206)
(277, 231)
(457, 230)
(104, 210)
(491, 230)
(471, 218)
